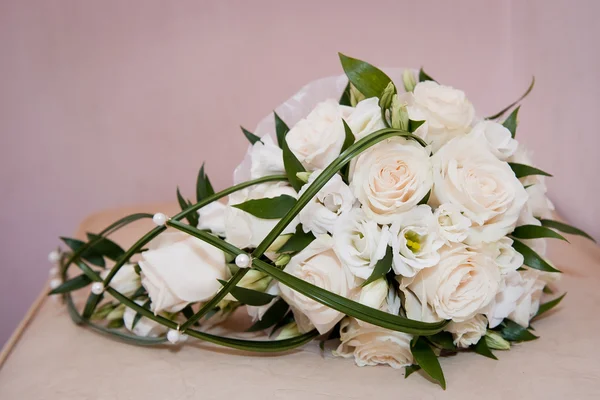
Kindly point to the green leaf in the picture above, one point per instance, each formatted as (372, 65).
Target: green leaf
(141, 291)
(504, 110)
(482, 348)
(531, 258)
(298, 241)
(514, 332)
(381, 267)
(115, 324)
(345, 98)
(424, 77)
(268, 208)
(348, 141)
(443, 340)
(106, 247)
(561, 226)
(549, 306)
(90, 305)
(522, 170)
(408, 371)
(368, 79)
(292, 166)
(252, 138)
(511, 122)
(249, 296)
(281, 129)
(76, 283)
(425, 199)
(287, 319)
(414, 125)
(536, 232)
(271, 317)
(90, 255)
(204, 188)
(184, 205)
(428, 361)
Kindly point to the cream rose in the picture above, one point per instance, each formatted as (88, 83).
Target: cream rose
(454, 227)
(415, 241)
(460, 286)
(391, 178)
(446, 110)
(359, 242)
(179, 269)
(499, 139)
(126, 281)
(469, 332)
(372, 345)
(321, 213)
(145, 327)
(317, 139)
(365, 118)
(317, 264)
(245, 230)
(484, 188)
(212, 218)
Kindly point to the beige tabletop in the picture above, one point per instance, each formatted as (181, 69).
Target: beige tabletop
(51, 358)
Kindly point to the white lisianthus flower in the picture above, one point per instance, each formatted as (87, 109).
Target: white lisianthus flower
(266, 158)
(484, 188)
(372, 345)
(502, 252)
(415, 241)
(497, 137)
(179, 269)
(212, 217)
(453, 225)
(321, 213)
(245, 230)
(460, 286)
(447, 112)
(379, 295)
(318, 139)
(529, 303)
(126, 281)
(469, 332)
(505, 301)
(365, 118)
(317, 264)
(359, 242)
(145, 327)
(391, 178)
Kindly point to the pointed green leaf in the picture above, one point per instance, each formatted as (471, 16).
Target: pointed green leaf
(92, 301)
(424, 77)
(297, 242)
(268, 208)
(369, 80)
(75, 283)
(549, 306)
(292, 166)
(252, 138)
(271, 317)
(286, 320)
(561, 226)
(531, 258)
(281, 129)
(522, 170)
(428, 361)
(514, 332)
(482, 348)
(443, 340)
(249, 296)
(90, 255)
(348, 141)
(106, 247)
(501, 113)
(408, 371)
(381, 267)
(184, 205)
(536, 232)
(204, 188)
(345, 98)
(425, 199)
(414, 125)
(511, 122)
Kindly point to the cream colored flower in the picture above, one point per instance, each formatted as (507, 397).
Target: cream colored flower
(469, 332)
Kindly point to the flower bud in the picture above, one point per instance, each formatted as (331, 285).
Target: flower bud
(386, 97)
(117, 313)
(289, 331)
(279, 242)
(282, 260)
(303, 176)
(102, 311)
(408, 78)
(495, 341)
(399, 114)
(355, 96)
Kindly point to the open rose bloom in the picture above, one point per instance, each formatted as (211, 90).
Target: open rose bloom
(374, 208)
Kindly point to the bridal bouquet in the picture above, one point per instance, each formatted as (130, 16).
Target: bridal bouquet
(393, 220)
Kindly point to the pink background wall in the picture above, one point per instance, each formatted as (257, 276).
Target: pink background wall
(111, 103)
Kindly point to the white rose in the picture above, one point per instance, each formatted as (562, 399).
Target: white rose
(365, 118)
(415, 241)
(317, 139)
(447, 112)
(179, 269)
(126, 281)
(321, 213)
(459, 287)
(497, 137)
(454, 226)
(372, 345)
(359, 242)
(485, 189)
(317, 264)
(505, 301)
(245, 230)
(529, 303)
(391, 178)
(212, 217)
(266, 158)
(506, 257)
(469, 332)
(145, 327)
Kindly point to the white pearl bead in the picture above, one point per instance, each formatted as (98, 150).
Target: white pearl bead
(54, 257)
(159, 219)
(97, 288)
(173, 336)
(53, 271)
(242, 260)
(54, 283)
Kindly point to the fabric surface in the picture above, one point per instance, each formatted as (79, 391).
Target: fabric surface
(54, 359)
